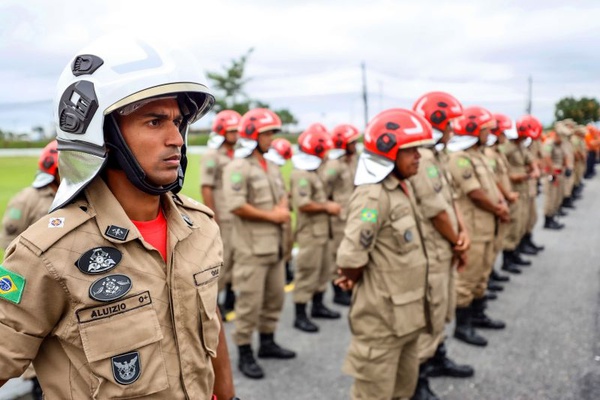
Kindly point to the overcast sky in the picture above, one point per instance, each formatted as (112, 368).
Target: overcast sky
(308, 53)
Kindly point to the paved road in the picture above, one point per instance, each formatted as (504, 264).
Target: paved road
(549, 351)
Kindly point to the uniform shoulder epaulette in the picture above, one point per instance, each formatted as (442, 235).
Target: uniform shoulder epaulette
(49, 229)
(191, 204)
(374, 190)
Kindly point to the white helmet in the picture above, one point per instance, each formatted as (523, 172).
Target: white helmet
(119, 74)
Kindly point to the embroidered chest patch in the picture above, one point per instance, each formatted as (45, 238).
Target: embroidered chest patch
(126, 368)
(98, 260)
(110, 287)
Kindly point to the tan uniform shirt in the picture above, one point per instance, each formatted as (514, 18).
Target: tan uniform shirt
(98, 310)
(499, 165)
(568, 152)
(518, 161)
(246, 182)
(433, 195)
(307, 187)
(211, 174)
(470, 171)
(556, 154)
(29, 205)
(338, 178)
(382, 234)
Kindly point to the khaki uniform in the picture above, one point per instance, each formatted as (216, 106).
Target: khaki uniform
(569, 152)
(258, 273)
(26, 207)
(579, 147)
(338, 176)
(433, 195)
(389, 305)
(211, 174)
(535, 150)
(313, 263)
(471, 171)
(155, 328)
(499, 165)
(518, 161)
(553, 191)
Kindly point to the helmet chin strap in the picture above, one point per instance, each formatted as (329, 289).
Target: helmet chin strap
(121, 157)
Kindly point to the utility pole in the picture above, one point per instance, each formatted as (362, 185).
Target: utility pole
(364, 93)
(528, 109)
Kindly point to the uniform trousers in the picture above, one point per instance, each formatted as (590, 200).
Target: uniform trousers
(472, 281)
(226, 228)
(259, 299)
(313, 269)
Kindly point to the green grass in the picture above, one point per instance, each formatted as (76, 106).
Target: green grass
(18, 173)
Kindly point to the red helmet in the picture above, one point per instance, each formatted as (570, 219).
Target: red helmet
(257, 121)
(317, 127)
(226, 121)
(473, 120)
(315, 141)
(438, 108)
(344, 134)
(529, 126)
(503, 123)
(47, 165)
(395, 129)
(283, 147)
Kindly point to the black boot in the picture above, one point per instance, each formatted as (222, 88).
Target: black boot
(464, 331)
(229, 302)
(441, 365)
(525, 248)
(508, 264)
(480, 319)
(302, 322)
(498, 277)
(319, 310)
(551, 223)
(529, 240)
(568, 203)
(423, 391)
(561, 212)
(340, 296)
(289, 274)
(36, 390)
(247, 364)
(491, 296)
(494, 287)
(518, 260)
(269, 349)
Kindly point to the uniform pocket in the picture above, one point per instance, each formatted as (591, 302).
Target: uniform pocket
(404, 230)
(124, 350)
(365, 362)
(264, 239)
(207, 290)
(409, 311)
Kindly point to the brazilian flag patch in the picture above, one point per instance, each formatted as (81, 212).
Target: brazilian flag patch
(236, 177)
(463, 162)
(432, 171)
(210, 163)
(368, 215)
(303, 182)
(11, 285)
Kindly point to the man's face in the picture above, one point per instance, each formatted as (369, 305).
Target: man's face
(264, 140)
(483, 135)
(407, 161)
(231, 137)
(351, 148)
(152, 134)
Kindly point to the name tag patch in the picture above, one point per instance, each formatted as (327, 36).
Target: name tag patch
(104, 311)
(98, 260)
(110, 287)
(208, 275)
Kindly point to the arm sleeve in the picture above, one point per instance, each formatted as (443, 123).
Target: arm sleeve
(427, 188)
(302, 188)
(463, 173)
(16, 219)
(235, 185)
(30, 312)
(365, 218)
(208, 169)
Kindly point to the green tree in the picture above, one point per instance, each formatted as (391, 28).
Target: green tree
(229, 85)
(582, 111)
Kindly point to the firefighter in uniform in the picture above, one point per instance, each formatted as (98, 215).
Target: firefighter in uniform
(445, 239)
(28, 206)
(221, 149)
(338, 175)
(520, 166)
(481, 204)
(553, 163)
(108, 295)
(499, 165)
(382, 258)
(533, 145)
(569, 151)
(578, 140)
(313, 263)
(279, 153)
(255, 194)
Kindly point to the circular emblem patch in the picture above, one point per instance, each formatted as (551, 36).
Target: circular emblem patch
(110, 287)
(408, 235)
(98, 260)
